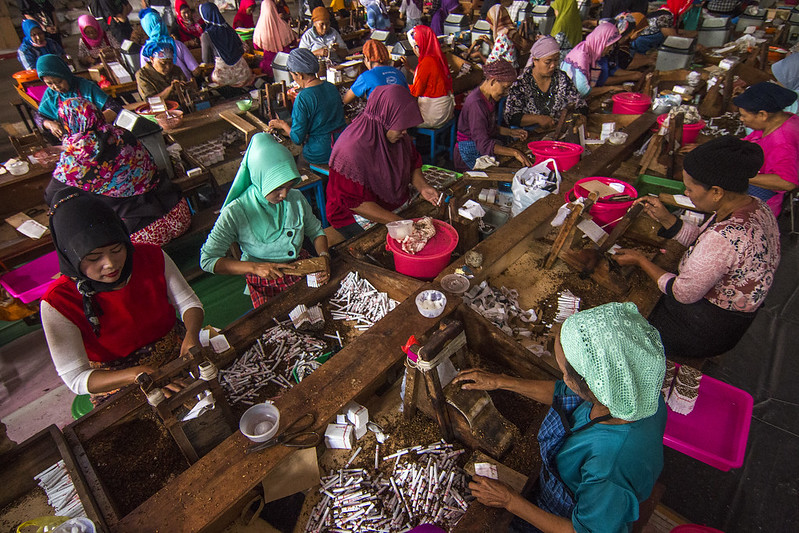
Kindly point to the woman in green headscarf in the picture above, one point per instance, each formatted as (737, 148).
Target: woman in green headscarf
(269, 220)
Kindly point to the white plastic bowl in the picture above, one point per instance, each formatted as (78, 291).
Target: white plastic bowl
(260, 422)
(431, 303)
(617, 137)
(17, 168)
(399, 229)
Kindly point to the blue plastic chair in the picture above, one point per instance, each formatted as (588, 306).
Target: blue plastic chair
(437, 146)
(317, 191)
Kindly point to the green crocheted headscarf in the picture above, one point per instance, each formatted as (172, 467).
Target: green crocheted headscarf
(620, 356)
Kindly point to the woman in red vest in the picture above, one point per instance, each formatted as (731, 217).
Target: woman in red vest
(111, 315)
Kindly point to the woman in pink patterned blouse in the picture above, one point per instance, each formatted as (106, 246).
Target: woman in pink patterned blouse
(726, 273)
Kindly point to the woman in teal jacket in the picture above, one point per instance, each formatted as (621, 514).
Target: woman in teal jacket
(269, 220)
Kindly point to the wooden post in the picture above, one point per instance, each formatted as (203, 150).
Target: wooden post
(675, 135)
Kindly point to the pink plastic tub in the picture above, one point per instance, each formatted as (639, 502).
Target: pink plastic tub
(428, 263)
(566, 155)
(689, 131)
(630, 103)
(606, 214)
(716, 431)
(29, 281)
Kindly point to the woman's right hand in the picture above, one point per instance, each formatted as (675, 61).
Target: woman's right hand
(476, 379)
(545, 121)
(656, 210)
(523, 159)
(268, 270)
(55, 128)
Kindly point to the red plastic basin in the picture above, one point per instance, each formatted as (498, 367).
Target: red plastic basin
(606, 214)
(630, 103)
(689, 131)
(566, 155)
(428, 263)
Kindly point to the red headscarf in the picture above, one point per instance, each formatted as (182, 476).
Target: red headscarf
(678, 7)
(425, 39)
(242, 18)
(186, 31)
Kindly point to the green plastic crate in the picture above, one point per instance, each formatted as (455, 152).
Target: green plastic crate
(457, 175)
(646, 184)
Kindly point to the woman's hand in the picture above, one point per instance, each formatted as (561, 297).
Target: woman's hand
(656, 210)
(54, 127)
(519, 134)
(268, 270)
(280, 124)
(476, 379)
(521, 158)
(430, 194)
(324, 276)
(626, 257)
(545, 121)
(189, 342)
(491, 492)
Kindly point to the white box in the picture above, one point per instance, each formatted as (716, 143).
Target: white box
(360, 432)
(339, 436)
(357, 414)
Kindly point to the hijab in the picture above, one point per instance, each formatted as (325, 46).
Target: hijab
(84, 21)
(786, 71)
(585, 55)
(80, 223)
(157, 33)
(272, 33)
(364, 154)
(242, 18)
(438, 16)
(27, 27)
(425, 39)
(266, 165)
(53, 65)
(226, 42)
(99, 157)
(376, 52)
(500, 21)
(192, 30)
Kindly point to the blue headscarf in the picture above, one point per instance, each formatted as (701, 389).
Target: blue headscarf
(27, 27)
(226, 42)
(158, 33)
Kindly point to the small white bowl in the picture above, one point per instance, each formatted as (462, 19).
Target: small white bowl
(617, 137)
(431, 303)
(17, 168)
(399, 229)
(260, 422)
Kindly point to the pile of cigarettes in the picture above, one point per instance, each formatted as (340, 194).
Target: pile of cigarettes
(568, 304)
(261, 364)
(431, 489)
(498, 305)
(358, 300)
(61, 493)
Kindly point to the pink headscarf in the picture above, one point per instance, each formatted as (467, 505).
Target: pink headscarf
(85, 21)
(272, 33)
(585, 55)
(363, 153)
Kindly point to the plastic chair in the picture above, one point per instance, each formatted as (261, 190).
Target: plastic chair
(317, 189)
(436, 144)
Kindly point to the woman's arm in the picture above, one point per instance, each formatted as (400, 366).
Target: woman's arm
(349, 97)
(476, 379)
(372, 211)
(420, 79)
(772, 182)
(424, 188)
(183, 298)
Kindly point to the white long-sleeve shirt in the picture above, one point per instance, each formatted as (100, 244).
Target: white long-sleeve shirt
(65, 341)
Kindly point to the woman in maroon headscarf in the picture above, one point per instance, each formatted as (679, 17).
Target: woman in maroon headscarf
(374, 162)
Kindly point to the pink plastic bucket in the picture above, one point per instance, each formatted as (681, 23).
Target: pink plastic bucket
(566, 155)
(30, 281)
(630, 103)
(428, 263)
(606, 214)
(689, 131)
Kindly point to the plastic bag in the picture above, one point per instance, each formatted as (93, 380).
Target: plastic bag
(530, 184)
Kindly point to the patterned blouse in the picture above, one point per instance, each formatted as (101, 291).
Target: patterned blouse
(525, 98)
(731, 263)
(658, 20)
(503, 49)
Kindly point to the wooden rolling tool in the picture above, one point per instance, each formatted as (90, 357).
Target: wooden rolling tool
(566, 232)
(306, 266)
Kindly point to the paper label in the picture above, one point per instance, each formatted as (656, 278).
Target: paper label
(32, 229)
(684, 201)
(205, 339)
(477, 174)
(486, 470)
(219, 344)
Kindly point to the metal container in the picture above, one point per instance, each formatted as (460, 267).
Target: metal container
(482, 28)
(280, 69)
(714, 32)
(544, 18)
(151, 136)
(455, 24)
(793, 32)
(388, 38)
(745, 20)
(675, 53)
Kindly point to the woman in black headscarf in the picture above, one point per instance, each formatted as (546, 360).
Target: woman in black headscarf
(111, 314)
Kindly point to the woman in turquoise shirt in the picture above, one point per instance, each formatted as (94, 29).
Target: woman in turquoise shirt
(269, 220)
(318, 115)
(602, 440)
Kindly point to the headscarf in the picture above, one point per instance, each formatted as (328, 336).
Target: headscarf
(84, 21)
(726, 162)
(787, 71)
(226, 42)
(544, 47)
(765, 96)
(425, 39)
(364, 154)
(158, 50)
(302, 61)
(266, 165)
(438, 16)
(375, 51)
(27, 27)
(585, 55)
(500, 21)
(678, 7)
(320, 14)
(100, 158)
(157, 33)
(627, 23)
(272, 33)
(500, 70)
(53, 65)
(620, 357)
(80, 223)
(242, 18)
(569, 22)
(193, 30)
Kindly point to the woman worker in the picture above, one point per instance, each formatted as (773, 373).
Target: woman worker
(542, 91)
(110, 162)
(660, 24)
(786, 72)
(62, 85)
(323, 40)
(777, 133)
(43, 12)
(378, 72)
(35, 44)
(318, 114)
(111, 314)
(726, 273)
(580, 63)
(374, 162)
(439, 12)
(159, 76)
(508, 42)
(221, 43)
(93, 40)
(188, 30)
(272, 35)
(376, 15)
(568, 22)
(432, 82)
(158, 33)
(243, 18)
(269, 220)
(477, 124)
(602, 439)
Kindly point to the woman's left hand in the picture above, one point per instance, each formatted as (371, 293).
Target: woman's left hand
(188, 344)
(491, 492)
(280, 124)
(519, 134)
(626, 257)
(430, 194)
(324, 276)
